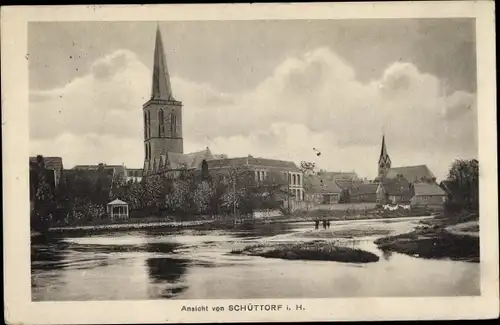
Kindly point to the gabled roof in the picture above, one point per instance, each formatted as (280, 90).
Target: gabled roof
(411, 173)
(252, 161)
(428, 189)
(118, 170)
(340, 175)
(345, 184)
(320, 184)
(117, 202)
(364, 189)
(397, 187)
(191, 160)
(49, 162)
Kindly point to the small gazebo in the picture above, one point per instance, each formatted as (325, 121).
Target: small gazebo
(117, 210)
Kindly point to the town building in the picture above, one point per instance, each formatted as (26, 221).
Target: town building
(321, 189)
(428, 196)
(134, 175)
(284, 174)
(54, 165)
(341, 176)
(118, 172)
(394, 191)
(364, 192)
(413, 174)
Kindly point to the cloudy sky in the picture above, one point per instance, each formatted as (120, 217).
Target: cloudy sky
(274, 89)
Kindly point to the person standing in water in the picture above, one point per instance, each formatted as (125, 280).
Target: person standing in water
(324, 223)
(316, 224)
(328, 224)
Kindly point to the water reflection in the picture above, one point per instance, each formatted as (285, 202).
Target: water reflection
(167, 272)
(193, 263)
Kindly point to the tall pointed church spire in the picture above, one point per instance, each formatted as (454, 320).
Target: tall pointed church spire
(384, 162)
(161, 88)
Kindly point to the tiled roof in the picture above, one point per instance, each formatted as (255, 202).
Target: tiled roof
(252, 161)
(188, 160)
(340, 175)
(397, 187)
(173, 160)
(50, 162)
(364, 189)
(118, 170)
(411, 173)
(345, 184)
(320, 184)
(428, 189)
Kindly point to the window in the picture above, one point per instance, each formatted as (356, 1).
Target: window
(146, 150)
(145, 126)
(149, 124)
(294, 179)
(161, 124)
(298, 179)
(173, 124)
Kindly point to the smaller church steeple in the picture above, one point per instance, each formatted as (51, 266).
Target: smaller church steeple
(161, 88)
(384, 161)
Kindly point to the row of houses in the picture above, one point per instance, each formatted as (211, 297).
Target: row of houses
(414, 185)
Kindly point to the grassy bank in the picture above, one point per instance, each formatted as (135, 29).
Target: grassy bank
(318, 251)
(431, 240)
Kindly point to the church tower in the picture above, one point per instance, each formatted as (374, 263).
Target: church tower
(384, 162)
(162, 113)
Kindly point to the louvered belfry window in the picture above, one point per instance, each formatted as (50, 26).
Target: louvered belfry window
(161, 124)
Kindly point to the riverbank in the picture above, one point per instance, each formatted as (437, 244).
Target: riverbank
(126, 226)
(317, 251)
(434, 240)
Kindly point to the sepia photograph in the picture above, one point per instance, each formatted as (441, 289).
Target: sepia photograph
(198, 160)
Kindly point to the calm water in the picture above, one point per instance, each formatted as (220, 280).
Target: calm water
(194, 264)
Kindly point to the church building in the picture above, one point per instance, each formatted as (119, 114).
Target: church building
(163, 139)
(164, 147)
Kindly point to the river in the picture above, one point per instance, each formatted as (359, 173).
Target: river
(197, 264)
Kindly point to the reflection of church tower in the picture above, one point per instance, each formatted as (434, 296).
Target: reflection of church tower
(162, 113)
(384, 162)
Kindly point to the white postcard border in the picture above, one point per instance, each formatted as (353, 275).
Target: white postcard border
(17, 278)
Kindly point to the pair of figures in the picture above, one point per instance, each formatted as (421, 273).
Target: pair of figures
(326, 224)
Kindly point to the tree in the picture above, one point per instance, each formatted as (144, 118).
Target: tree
(202, 197)
(307, 168)
(44, 200)
(154, 188)
(464, 178)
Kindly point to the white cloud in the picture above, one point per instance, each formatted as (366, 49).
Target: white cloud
(310, 101)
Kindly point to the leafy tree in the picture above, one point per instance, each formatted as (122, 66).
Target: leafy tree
(464, 178)
(307, 168)
(202, 197)
(44, 200)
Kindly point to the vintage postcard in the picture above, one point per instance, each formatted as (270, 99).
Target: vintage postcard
(250, 162)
